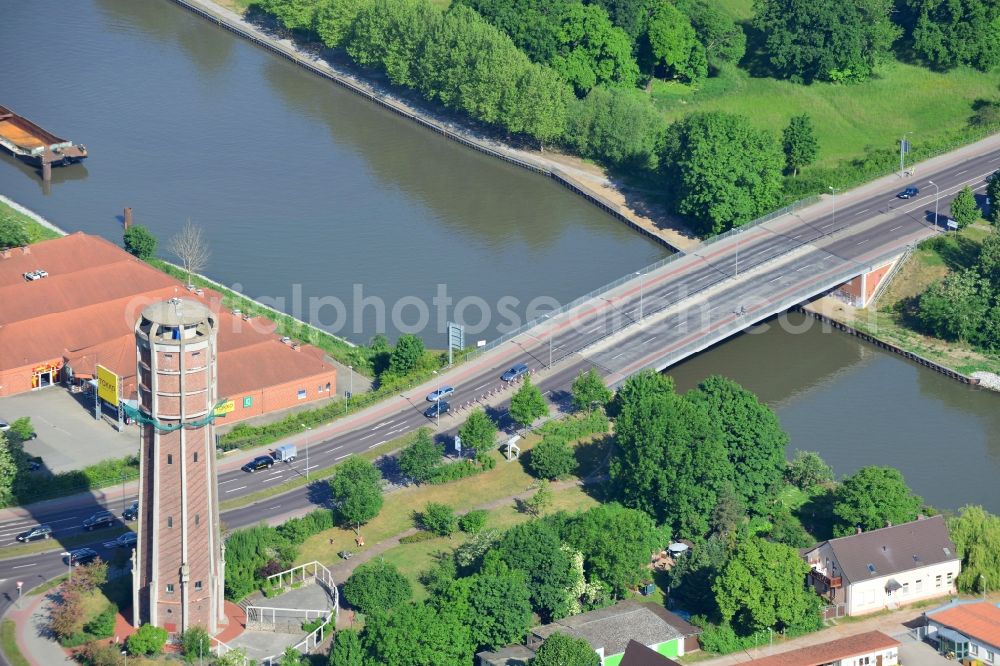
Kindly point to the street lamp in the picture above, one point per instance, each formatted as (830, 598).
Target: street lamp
(69, 562)
(904, 147)
(834, 204)
(641, 280)
(937, 193)
(306, 447)
(350, 390)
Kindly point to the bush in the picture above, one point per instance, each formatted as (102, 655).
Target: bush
(483, 462)
(103, 626)
(808, 469)
(33, 487)
(473, 522)
(313, 625)
(297, 530)
(148, 640)
(101, 653)
(195, 644)
(439, 519)
(422, 535)
(377, 586)
(552, 458)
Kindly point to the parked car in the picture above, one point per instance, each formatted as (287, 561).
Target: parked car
(440, 407)
(4, 426)
(442, 392)
(515, 372)
(81, 556)
(286, 453)
(908, 193)
(99, 520)
(132, 512)
(260, 462)
(36, 532)
(127, 540)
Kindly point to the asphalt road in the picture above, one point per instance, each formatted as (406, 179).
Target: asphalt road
(791, 252)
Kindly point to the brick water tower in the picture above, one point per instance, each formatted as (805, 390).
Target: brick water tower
(178, 563)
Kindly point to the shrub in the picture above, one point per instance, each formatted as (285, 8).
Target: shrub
(473, 522)
(439, 519)
(422, 535)
(552, 458)
(297, 530)
(313, 625)
(101, 653)
(195, 643)
(148, 640)
(103, 626)
(376, 586)
(483, 462)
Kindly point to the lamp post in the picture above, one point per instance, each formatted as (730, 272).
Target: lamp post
(982, 584)
(937, 194)
(834, 204)
(350, 390)
(69, 562)
(641, 280)
(904, 147)
(306, 447)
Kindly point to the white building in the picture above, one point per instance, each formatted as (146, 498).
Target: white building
(886, 568)
(869, 649)
(966, 629)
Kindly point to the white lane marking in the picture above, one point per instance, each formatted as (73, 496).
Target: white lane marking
(227, 481)
(311, 467)
(900, 226)
(995, 159)
(392, 432)
(861, 212)
(649, 340)
(276, 506)
(802, 268)
(959, 173)
(233, 490)
(862, 242)
(374, 445)
(682, 321)
(343, 456)
(775, 279)
(23, 566)
(826, 225)
(617, 355)
(482, 386)
(384, 423)
(369, 435)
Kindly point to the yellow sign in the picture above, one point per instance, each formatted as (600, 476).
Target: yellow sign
(225, 408)
(107, 385)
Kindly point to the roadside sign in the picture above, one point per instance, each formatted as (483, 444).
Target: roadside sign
(906, 147)
(458, 444)
(20, 584)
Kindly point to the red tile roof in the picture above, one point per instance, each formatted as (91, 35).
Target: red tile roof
(85, 311)
(980, 620)
(824, 653)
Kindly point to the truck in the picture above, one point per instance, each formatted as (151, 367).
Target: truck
(286, 453)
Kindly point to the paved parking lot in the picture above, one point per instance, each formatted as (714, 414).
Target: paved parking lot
(68, 436)
(921, 654)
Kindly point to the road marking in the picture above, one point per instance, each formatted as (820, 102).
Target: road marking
(370, 435)
(22, 566)
(391, 432)
(896, 227)
(483, 386)
(276, 506)
(617, 355)
(995, 159)
(959, 173)
(649, 340)
(374, 445)
(826, 225)
(235, 489)
(862, 242)
(802, 268)
(682, 321)
(343, 456)
(775, 279)
(311, 467)
(227, 481)
(593, 330)
(863, 211)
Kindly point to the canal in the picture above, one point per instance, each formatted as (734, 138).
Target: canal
(305, 191)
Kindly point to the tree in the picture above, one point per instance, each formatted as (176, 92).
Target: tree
(589, 391)
(234, 657)
(989, 255)
(494, 604)
(632, 16)
(872, 498)
(8, 470)
(528, 404)
(720, 170)
(421, 457)
(675, 45)
(993, 195)
(12, 232)
(357, 490)
(479, 432)
(953, 308)
(808, 469)
(799, 142)
(335, 20)
(140, 242)
(191, 248)
(760, 587)
(957, 32)
(541, 500)
(196, 643)
(671, 460)
(619, 126)
(67, 617)
(535, 549)
(833, 40)
(347, 649)
(406, 355)
(964, 208)
(723, 38)
(616, 543)
(473, 521)
(562, 650)
(439, 519)
(976, 534)
(391, 35)
(290, 657)
(694, 572)
(147, 640)
(21, 430)
(552, 458)
(101, 653)
(377, 586)
(418, 635)
(755, 442)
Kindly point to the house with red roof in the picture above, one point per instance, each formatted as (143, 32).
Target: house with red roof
(966, 629)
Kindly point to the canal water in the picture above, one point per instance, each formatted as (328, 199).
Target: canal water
(858, 405)
(303, 188)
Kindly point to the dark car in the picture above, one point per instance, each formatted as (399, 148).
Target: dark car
(908, 193)
(81, 556)
(260, 462)
(36, 532)
(132, 512)
(126, 540)
(514, 373)
(432, 411)
(99, 520)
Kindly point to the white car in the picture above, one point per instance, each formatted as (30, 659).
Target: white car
(442, 392)
(4, 426)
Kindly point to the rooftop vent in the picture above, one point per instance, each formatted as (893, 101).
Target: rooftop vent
(36, 274)
(947, 550)
(871, 568)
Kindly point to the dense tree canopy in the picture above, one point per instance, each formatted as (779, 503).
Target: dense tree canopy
(675, 46)
(377, 586)
(12, 232)
(993, 194)
(418, 635)
(872, 498)
(357, 490)
(976, 534)
(761, 587)
(139, 241)
(834, 40)
(347, 649)
(535, 549)
(479, 432)
(563, 650)
(721, 171)
(672, 459)
(723, 39)
(953, 308)
(406, 355)
(948, 33)
(632, 16)
(335, 20)
(495, 605)
(808, 469)
(615, 125)
(755, 442)
(527, 405)
(421, 457)
(964, 209)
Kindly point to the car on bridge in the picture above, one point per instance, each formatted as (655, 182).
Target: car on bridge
(442, 392)
(515, 372)
(80, 556)
(908, 193)
(260, 462)
(99, 520)
(36, 532)
(132, 512)
(440, 407)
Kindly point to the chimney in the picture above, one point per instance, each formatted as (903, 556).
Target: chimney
(858, 528)
(127, 217)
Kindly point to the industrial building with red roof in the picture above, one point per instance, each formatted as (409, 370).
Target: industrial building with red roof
(966, 628)
(70, 304)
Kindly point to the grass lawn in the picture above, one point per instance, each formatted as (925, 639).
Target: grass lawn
(847, 118)
(8, 643)
(36, 231)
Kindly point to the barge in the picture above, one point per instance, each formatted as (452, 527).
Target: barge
(30, 143)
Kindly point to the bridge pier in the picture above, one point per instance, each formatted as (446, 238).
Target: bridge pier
(862, 290)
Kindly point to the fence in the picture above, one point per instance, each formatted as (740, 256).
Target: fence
(283, 620)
